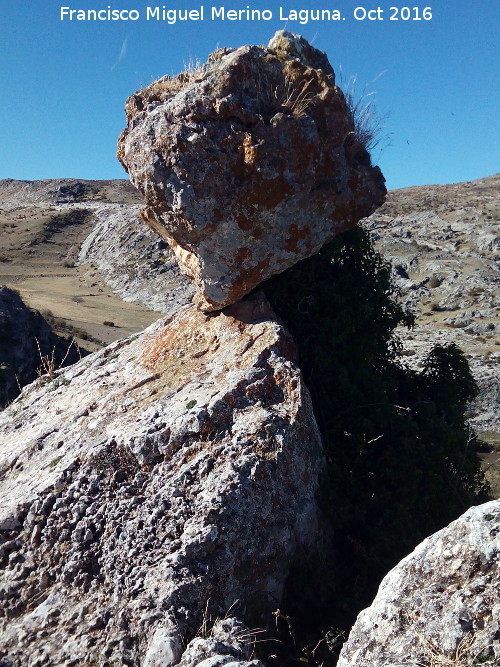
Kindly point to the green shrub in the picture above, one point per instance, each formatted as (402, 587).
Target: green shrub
(401, 458)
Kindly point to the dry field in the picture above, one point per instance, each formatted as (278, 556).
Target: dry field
(39, 243)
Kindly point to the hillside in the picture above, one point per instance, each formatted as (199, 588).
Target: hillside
(444, 243)
(43, 225)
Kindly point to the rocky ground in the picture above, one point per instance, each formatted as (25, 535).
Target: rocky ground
(43, 225)
(134, 261)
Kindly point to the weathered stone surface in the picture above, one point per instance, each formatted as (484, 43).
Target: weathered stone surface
(134, 261)
(440, 605)
(248, 164)
(165, 480)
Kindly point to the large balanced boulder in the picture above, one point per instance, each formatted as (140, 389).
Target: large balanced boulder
(248, 164)
(158, 484)
(441, 605)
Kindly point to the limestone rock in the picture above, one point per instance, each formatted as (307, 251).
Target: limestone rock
(444, 241)
(162, 482)
(440, 605)
(248, 164)
(137, 264)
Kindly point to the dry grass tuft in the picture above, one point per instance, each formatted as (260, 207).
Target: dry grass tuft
(49, 366)
(210, 626)
(287, 92)
(168, 86)
(368, 122)
(471, 651)
(293, 97)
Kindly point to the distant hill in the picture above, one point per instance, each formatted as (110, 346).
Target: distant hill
(43, 225)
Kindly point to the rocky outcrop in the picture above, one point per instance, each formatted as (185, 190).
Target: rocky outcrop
(27, 346)
(443, 241)
(440, 605)
(162, 482)
(134, 261)
(248, 164)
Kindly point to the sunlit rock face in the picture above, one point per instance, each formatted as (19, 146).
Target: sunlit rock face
(164, 481)
(440, 605)
(248, 164)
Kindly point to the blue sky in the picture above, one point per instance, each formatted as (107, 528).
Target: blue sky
(64, 83)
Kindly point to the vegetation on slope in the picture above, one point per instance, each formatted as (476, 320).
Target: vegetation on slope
(28, 346)
(402, 461)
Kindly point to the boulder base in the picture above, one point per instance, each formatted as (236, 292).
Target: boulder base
(158, 484)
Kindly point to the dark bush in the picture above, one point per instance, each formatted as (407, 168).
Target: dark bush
(401, 458)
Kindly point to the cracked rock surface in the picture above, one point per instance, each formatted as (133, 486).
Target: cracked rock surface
(248, 164)
(164, 480)
(438, 606)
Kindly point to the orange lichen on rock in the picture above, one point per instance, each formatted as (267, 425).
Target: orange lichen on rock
(251, 151)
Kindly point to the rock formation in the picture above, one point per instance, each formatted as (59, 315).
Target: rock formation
(25, 340)
(137, 264)
(164, 481)
(440, 605)
(248, 164)
(155, 495)
(444, 241)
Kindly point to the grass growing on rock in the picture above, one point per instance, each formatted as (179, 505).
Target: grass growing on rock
(471, 651)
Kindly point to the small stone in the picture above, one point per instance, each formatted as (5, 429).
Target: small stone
(36, 534)
(164, 649)
(78, 534)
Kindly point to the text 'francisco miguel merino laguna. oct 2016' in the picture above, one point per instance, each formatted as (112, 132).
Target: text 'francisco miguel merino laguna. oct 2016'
(172, 15)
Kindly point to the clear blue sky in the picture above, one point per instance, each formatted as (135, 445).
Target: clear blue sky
(64, 83)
